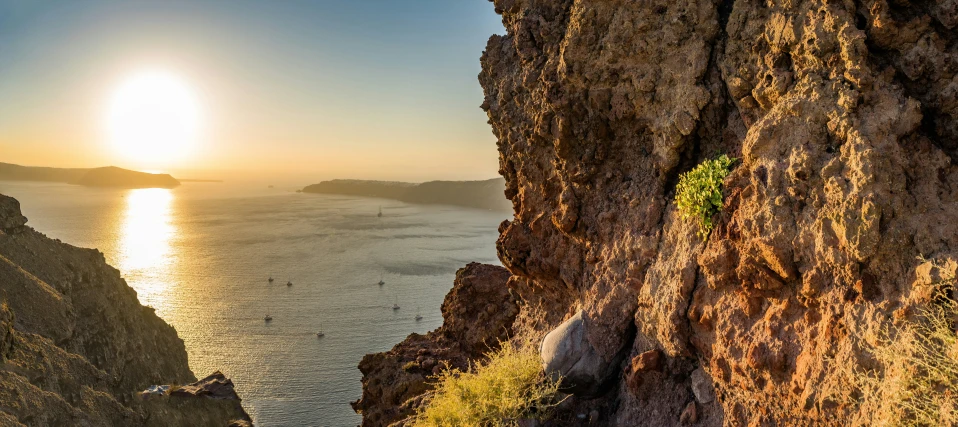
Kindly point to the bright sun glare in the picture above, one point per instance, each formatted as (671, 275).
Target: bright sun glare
(154, 118)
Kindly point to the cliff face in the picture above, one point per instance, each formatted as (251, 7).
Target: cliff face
(843, 116)
(76, 344)
(841, 208)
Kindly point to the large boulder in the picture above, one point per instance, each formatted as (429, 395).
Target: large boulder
(568, 356)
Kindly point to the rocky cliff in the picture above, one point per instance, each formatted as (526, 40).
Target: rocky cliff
(76, 346)
(842, 206)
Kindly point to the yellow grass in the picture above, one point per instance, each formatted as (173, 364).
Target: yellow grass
(917, 382)
(508, 387)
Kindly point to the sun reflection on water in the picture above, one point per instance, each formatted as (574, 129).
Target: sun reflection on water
(145, 250)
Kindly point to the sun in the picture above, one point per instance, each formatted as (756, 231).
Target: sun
(153, 119)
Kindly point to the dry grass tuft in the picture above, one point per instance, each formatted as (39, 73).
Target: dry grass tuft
(916, 383)
(508, 387)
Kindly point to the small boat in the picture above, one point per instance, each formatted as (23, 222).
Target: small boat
(418, 316)
(271, 279)
(396, 305)
(380, 212)
(267, 318)
(320, 334)
(289, 283)
(381, 282)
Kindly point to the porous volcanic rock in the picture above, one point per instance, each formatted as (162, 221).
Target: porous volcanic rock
(844, 198)
(477, 314)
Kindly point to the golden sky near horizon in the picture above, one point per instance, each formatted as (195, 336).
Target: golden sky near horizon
(336, 89)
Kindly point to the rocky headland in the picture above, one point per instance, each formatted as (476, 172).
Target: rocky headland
(839, 215)
(109, 176)
(77, 348)
(472, 194)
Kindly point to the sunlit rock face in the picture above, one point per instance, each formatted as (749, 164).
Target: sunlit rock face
(76, 344)
(843, 118)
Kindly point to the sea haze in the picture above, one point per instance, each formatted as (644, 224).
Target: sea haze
(201, 255)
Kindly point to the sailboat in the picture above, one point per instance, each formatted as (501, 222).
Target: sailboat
(289, 283)
(381, 282)
(380, 212)
(267, 318)
(271, 278)
(418, 316)
(396, 304)
(320, 334)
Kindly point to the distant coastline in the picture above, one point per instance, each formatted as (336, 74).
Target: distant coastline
(199, 180)
(488, 194)
(109, 176)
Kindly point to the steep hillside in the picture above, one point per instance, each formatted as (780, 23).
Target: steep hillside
(76, 345)
(840, 212)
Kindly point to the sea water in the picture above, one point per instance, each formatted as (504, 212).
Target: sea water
(201, 255)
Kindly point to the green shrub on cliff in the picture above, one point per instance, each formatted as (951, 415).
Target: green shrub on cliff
(508, 387)
(699, 192)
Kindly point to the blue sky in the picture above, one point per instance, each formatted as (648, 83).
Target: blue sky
(338, 88)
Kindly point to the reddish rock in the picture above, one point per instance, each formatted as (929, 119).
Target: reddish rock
(648, 361)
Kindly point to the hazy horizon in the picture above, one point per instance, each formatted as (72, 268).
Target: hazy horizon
(286, 92)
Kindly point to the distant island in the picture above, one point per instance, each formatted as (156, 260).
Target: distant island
(109, 176)
(488, 194)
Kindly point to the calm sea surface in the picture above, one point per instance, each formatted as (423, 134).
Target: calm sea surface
(201, 255)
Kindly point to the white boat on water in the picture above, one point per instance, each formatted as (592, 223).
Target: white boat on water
(418, 316)
(396, 305)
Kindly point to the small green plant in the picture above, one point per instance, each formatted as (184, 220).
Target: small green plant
(699, 193)
(509, 386)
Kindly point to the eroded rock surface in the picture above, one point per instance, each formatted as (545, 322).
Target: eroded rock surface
(840, 212)
(843, 118)
(75, 343)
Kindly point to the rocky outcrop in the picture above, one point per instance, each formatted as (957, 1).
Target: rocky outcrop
(843, 116)
(76, 344)
(471, 194)
(477, 314)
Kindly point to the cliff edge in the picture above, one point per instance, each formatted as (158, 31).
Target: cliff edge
(76, 346)
(839, 215)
